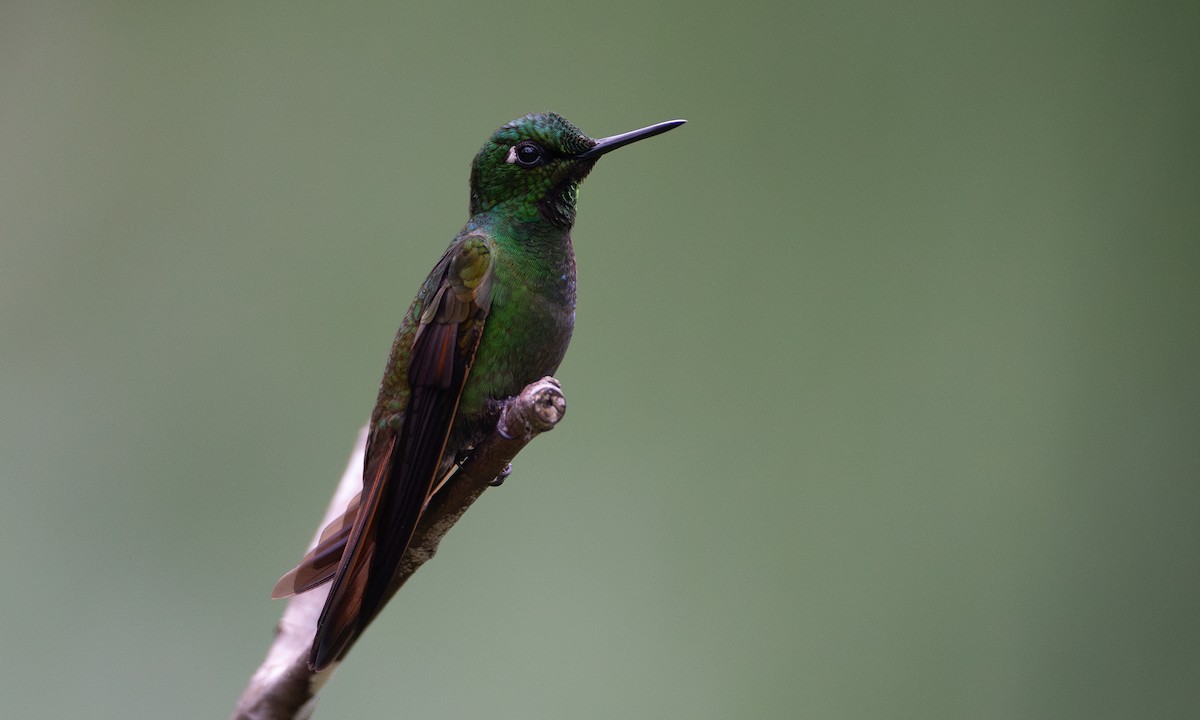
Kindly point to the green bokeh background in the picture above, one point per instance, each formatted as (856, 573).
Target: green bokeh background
(884, 396)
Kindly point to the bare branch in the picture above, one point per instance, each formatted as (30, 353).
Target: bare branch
(283, 688)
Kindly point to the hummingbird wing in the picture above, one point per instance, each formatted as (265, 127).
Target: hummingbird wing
(320, 564)
(403, 461)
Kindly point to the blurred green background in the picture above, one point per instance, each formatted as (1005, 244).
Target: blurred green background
(884, 396)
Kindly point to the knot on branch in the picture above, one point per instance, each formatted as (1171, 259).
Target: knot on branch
(539, 407)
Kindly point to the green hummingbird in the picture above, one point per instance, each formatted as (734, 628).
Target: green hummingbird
(495, 314)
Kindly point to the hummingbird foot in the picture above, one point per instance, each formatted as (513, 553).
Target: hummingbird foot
(499, 479)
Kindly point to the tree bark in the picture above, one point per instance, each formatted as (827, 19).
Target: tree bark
(283, 688)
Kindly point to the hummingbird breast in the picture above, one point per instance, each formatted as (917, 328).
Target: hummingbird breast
(526, 333)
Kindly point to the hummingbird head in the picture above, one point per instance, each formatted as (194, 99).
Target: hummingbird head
(534, 164)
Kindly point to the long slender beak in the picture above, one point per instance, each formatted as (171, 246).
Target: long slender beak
(613, 142)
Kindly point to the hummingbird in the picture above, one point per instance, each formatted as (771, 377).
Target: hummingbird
(495, 314)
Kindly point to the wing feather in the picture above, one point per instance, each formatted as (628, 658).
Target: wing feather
(320, 564)
(403, 463)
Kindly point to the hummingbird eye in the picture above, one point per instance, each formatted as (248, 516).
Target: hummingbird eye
(526, 154)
